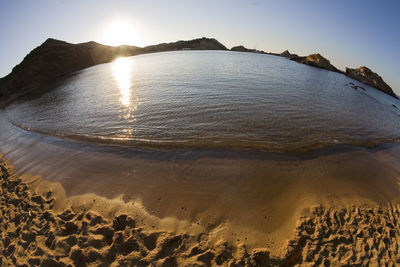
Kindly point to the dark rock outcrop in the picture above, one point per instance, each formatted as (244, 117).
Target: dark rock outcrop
(367, 76)
(319, 61)
(291, 56)
(54, 59)
(285, 53)
(241, 48)
(196, 44)
(315, 60)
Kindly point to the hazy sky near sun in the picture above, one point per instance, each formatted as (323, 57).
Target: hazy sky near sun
(349, 33)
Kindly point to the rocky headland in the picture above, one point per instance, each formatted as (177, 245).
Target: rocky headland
(367, 76)
(196, 44)
(361, 74)
(315, 60)
(241, 48)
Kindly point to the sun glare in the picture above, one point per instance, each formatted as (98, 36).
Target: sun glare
(122, 74)
(120, 33)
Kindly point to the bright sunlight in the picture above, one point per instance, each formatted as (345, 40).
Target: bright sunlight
(120, 32)
(122, 74)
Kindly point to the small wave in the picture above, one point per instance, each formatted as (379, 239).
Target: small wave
(165, 144)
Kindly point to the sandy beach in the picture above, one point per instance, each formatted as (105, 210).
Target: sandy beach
(41, 226)
(66, 202)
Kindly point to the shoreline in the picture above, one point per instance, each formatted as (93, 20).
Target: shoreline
(41, 226)
(268, 204)
(192, 152)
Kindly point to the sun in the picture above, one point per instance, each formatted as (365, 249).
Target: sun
(120, 32)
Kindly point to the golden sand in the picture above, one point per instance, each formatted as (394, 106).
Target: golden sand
(41, 226)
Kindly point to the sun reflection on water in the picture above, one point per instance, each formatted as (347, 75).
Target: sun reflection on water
(122, 74)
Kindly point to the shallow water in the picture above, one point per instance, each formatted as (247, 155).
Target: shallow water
(206, 99)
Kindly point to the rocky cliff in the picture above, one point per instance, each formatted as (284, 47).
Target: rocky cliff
(315, 60)
(319, 61)
(54, 59)
(367, 76)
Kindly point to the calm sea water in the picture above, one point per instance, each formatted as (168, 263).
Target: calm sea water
(196, 99)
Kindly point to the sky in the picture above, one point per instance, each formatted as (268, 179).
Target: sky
(348, 32)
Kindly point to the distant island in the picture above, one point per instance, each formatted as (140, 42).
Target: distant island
(54, 59)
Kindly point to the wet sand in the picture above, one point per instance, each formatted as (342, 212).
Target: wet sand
(216, 206)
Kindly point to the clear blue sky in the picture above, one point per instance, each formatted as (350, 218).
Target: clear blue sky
(348, 32)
